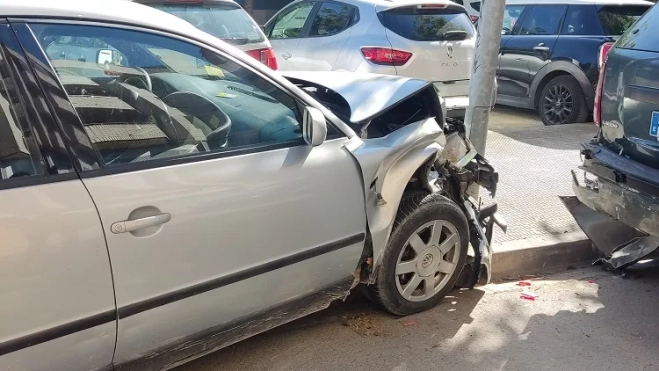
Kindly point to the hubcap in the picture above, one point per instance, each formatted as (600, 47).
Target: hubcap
(427, 261)
(557, 104)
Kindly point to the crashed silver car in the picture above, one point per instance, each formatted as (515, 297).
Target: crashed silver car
(181, 196)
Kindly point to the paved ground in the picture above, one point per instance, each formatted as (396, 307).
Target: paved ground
(583, 320)
(534, 163)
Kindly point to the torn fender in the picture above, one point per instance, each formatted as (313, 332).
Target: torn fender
(387, 165)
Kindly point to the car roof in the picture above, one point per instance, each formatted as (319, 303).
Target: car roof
(111, 11)
(579, 2)
(391, 3)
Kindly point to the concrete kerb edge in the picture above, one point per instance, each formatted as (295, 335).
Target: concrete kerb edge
(541, 255)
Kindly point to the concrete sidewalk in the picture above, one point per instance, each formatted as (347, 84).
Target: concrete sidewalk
(534, 163)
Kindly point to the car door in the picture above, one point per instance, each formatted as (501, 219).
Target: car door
(214, 208)
(532, 46)
(513, 67)
(57, 308)
(329, 31)
(286, 29)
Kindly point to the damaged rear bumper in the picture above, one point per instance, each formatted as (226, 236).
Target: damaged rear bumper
(615, 208)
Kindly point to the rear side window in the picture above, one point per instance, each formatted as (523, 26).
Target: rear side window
(645, 38)
(542, 20)
(617, 19)
(581, 20)
(476, 5)
(227, 22)
(331, 19)
(428, 24)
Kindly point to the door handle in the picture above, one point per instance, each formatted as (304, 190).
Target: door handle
(286, 56)
(541, 48)
(141, 223)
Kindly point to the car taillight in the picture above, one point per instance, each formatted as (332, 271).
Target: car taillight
(386, 56)
(474, 18)
(604, 51)
(266, 56)
(432, 6)
(599, 89)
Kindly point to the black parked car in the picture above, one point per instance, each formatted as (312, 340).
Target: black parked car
(549, 49)
(617, 202)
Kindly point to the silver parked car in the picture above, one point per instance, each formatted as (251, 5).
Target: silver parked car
(185, 196)
(433, 40)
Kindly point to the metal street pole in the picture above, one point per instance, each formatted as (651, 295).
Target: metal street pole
(486, 59)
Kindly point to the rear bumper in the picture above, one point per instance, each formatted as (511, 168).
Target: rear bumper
(456, 107)
(617, 215)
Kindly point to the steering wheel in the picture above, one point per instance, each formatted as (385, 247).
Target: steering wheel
(193, 104)
(141, 82)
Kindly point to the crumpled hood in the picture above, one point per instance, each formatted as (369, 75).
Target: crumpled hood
(367, 94)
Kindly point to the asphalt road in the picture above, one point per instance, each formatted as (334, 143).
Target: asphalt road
(582, 320)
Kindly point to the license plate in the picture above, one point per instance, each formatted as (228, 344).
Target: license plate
(654, 124)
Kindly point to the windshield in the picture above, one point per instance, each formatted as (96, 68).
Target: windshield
(225, 21)
(617, 19)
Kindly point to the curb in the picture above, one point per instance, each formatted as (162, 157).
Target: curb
(512, 259)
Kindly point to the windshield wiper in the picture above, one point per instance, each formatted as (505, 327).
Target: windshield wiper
(235, 40)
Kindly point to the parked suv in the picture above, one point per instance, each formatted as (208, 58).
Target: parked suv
(424, 39)
(473, 8)
(617, 187)
(548, 56)
(224, 19)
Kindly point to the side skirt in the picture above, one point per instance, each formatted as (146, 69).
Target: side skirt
(211, 340)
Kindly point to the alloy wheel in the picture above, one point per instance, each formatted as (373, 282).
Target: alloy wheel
(557, 104)
(428, 260)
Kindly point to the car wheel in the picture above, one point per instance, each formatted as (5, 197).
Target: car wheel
(562, 102)
(425, 255)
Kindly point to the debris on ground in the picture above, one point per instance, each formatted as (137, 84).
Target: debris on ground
(523, 283)
(361, 323)
(409, 324)
(528, 295)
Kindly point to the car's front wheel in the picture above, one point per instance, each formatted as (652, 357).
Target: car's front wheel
(562, 102)
(424, 257)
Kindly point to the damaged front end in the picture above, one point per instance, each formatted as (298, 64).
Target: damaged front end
(616, 204)
(404, 145)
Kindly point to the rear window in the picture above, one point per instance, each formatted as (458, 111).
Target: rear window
(428, 24)
(227, 22)
(645, 38)
(616, 19)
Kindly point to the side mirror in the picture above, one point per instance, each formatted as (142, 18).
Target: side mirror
(104, 57)
(314, 127)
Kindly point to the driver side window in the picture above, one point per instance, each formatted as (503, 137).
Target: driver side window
(173, 99)
(510, 17)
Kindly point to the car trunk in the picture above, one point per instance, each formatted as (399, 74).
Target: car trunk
(630, 104)
(441, 39)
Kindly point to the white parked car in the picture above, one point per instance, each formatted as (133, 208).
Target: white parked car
(185, 196)
(433, 40)
(473, 8)
(224, 19)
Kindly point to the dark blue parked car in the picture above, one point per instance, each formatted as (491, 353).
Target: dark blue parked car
(549, 50)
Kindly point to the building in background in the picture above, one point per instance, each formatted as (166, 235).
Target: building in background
(262, 10)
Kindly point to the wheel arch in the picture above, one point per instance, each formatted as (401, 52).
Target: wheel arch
(562, 68)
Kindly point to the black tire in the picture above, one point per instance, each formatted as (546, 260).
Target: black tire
(548, 104)
(416, 210)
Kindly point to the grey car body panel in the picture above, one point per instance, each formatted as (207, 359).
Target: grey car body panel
(54, 272)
